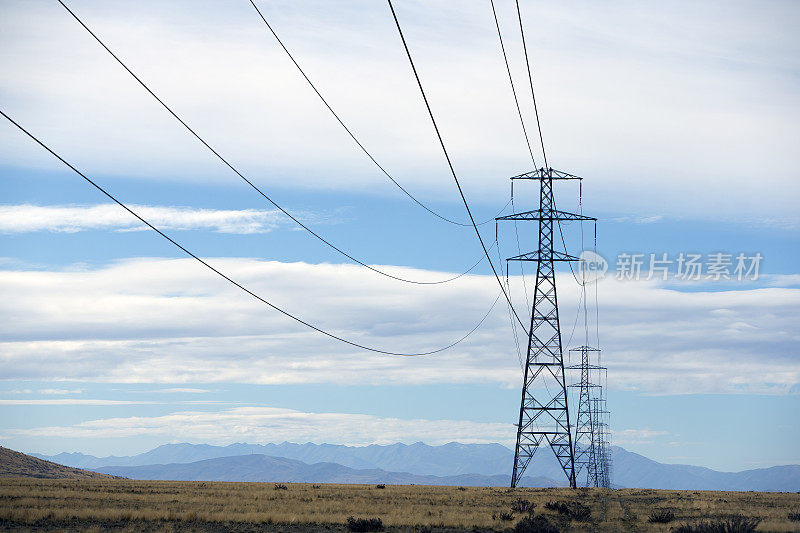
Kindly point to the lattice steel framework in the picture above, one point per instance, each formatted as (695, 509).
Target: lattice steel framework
(600, 415)
(588, 438)
(544, 411)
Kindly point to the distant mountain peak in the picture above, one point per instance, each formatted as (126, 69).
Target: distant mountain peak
(456, 459)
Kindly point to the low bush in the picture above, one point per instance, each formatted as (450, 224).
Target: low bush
(535, 524)
(795, 517)
(734, 524)
(661, 516)
(280, 486)
(578, 511)
(380, 486)
(522, 506)
(574, 510)
(560, 507)
(364, 524)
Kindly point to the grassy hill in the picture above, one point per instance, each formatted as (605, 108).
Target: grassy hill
(15, 464)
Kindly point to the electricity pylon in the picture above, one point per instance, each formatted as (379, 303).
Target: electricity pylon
(588, 437)
(600, 415)
(544, 414)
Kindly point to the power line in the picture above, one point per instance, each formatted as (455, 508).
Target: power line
(527, 142)
(536, 110)
(250, 183)
(530, 79)
(352, 135)
(242, 287)
(450, 164)
(513, 89)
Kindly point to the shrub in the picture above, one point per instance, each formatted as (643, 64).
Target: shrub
(461, 488)
(734, 524)
(581, 512)
(535, 524)
(661, 516)
(522, 506)
(380, 486)
(315, 486)
(280, 486)
(505, 516)
(560, 507)
(364, 524)
(795, 517)
(574, 510)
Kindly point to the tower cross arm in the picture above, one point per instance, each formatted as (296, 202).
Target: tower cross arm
(546, 173)
(548, 214)
(548, 256)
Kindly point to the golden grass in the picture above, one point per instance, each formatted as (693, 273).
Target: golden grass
(93, 502)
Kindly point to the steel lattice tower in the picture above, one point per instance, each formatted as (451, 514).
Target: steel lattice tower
(600, 415)
(590, 427)
(588, 437)
(544, 414)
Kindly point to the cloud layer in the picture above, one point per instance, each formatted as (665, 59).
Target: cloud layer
(70, 219)
(269, 424)
(168, 320)
(652, 111)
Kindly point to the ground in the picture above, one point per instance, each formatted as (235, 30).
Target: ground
(125, 505)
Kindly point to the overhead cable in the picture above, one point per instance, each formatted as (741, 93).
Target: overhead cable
(232, 281)
(250, 183)
(450, 164)
(352, 135)
(530, 79)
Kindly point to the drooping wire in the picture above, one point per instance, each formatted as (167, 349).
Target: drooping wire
(527, 142)
(583, 271)
(510, 315)
(250, 183)
(230, 280)
(530, 79)
(575, 324)
(511, 82)
(450, 163)
(596, 295)
(528, 309)
(355, 139)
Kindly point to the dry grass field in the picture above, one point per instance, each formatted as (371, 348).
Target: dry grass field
(126, 505)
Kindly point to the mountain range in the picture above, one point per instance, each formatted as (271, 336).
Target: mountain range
(448, 464)
(270, 469)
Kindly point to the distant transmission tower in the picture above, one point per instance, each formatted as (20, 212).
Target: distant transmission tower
(590, 426)
(601, 416)
(544, 411)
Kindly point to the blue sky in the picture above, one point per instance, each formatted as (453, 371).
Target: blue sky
(684, 126)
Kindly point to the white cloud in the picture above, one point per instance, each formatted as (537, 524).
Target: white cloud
(269, 424)
(183, 390)
(70, 219)
(72, 401)
(667, 120)
(170, 321)
(637, 436)
(60, 392)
